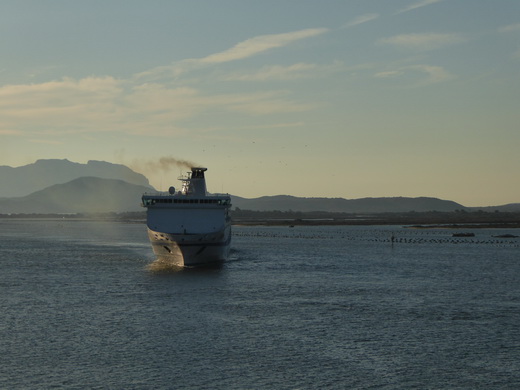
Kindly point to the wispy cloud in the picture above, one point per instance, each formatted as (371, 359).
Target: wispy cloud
(418, 4)
(435, 74)
(388, 74)
(42, 105)
(360, 20)
(259, 44)
(423, 42)
(431, 74)
(98, 105)
(271, 103)
(149, 102)
(509, 28)
(10, 132)
(242, 50)
(46, 141)
(276, 72)
(287, 73)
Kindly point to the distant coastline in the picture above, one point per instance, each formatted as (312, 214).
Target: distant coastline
(417, 220)
(62, 188)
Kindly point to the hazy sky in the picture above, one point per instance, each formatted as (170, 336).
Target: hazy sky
(334, 98)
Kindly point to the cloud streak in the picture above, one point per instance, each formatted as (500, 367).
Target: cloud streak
(434, 74)
(423, 42)
(242, 50)
(417, 5)
(144, 103)
(287, 73)
(259, 44)
(106, 105)
(509, 28)
(360, 20)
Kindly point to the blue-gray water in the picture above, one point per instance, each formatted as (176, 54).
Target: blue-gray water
(294, 308)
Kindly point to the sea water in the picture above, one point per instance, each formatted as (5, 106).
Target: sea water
(84, 305)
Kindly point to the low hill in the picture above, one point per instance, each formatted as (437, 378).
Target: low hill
(341, 205)
(506, 208)
(98, 195)
(82, 195)
(24, 180)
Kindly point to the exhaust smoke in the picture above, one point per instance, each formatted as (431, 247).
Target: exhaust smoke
(163, 168)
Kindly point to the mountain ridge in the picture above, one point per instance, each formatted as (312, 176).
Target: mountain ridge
(119, 189)
(96, 195)
(26, 179)
(81, 195)
(361, 205)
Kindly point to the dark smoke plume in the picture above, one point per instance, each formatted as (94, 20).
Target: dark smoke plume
(167, 163)
(151, 168)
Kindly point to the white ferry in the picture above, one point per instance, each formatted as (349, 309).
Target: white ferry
(189, 227)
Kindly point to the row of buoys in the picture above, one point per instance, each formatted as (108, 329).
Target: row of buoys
(451, 241)
(382, 238)
(274, 235)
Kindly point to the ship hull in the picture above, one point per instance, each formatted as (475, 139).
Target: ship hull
(190, 227)
(190, 250)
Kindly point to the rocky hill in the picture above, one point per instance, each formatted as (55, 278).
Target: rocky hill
(27, 179)
(82, 195)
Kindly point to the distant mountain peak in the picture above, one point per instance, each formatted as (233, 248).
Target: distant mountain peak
(80, 195)
(24, 180)
(43, 161)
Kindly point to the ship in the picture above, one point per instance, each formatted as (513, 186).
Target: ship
(189, 227)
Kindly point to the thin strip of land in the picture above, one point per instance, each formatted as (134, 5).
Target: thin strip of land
(419, 220)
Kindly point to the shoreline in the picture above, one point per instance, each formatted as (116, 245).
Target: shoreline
(411, 220)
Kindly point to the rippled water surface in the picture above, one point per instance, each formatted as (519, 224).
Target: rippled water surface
(83, 305)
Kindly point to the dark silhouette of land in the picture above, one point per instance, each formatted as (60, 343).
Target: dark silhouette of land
(102, 190)
(81, 195)
(27, 179)
(458, 219)
(477, 219)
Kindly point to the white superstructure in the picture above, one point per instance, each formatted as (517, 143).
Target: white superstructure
(189, 227)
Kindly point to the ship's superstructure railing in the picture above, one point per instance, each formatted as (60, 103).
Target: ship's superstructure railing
(179, 194)
(167, 199)
(193, 191)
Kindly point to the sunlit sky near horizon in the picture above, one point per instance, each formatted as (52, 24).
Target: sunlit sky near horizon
(336, 98)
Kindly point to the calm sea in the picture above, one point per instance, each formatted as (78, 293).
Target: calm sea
(83, 306)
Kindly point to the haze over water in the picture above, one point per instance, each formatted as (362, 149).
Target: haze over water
(308, 307)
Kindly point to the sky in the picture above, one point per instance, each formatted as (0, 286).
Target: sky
(332, 98)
